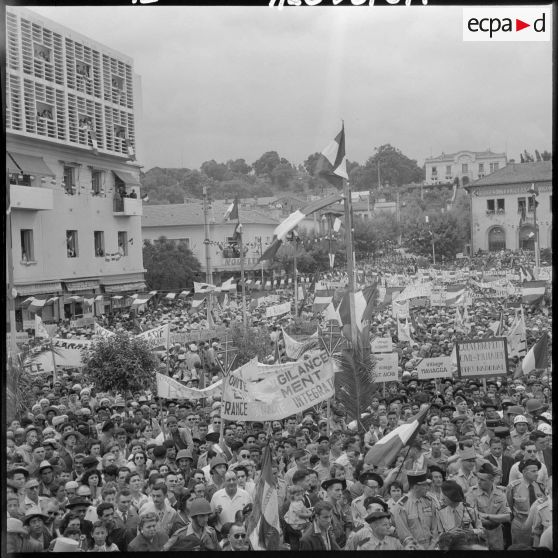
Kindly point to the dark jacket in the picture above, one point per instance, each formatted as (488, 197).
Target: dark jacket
(141, 544)
(507, 463)
(313, 541)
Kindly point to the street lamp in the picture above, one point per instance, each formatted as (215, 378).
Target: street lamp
(293, 238)
(533, 193)
(432, 235)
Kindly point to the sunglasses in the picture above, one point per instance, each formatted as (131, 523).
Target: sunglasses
(239, 536)
(245, 455)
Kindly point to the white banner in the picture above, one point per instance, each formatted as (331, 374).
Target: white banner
(100, 331)
(382, 345)
(429, 368)
(169, 388)
(269, 299)
(262, 393)
(70, 351)
(415, 291)
(400, 309)
(385, 369)
(278, 310)
(294, 348)
(156, 337)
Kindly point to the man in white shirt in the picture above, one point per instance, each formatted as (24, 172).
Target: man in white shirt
(229, 500)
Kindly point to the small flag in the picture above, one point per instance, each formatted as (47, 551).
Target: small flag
(537, 357)
(232, 211)
(40, 329)
(203, 287)
(263, 525)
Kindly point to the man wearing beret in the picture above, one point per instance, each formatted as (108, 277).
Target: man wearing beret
(489, 500)
(376, 535)
(341, 520)
(415, 513)
(521, 495)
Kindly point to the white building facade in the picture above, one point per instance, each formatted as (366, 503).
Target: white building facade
(73, 176)
(467, 166)
(503, 210)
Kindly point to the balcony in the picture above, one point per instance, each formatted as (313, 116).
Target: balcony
(128, 207)
(31, 198)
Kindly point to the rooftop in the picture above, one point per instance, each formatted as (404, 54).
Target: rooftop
(192, 214)
(478, 154)
(518, 173)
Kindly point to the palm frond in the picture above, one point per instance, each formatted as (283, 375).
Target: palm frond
(354, 381)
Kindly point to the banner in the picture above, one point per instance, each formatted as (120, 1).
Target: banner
(85, 321)
(483, 357)
(278, 310)
(415, 291)
(156, 337)
(194, 336)
(169, 388)
(438, 296)
(382, 345)
(269, 299)
(439, 367)
(385, 369)
(295, 349)
(100, 331)
(400, 309)
(256, 392)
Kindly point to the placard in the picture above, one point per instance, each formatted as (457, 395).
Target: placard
(382, 345)
(278, 310)
(385, 369)
(429, 368)
(482, 357)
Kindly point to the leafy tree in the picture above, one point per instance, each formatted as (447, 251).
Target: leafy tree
(310, 163)
(396, 168)
(250, 342)
(121, 364)
(282, 175)
(546, 155)
(169, 265)
(372, 234)
(266, 163)
(239, 166)
(214, 170)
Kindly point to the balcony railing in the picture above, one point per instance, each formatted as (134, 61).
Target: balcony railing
(31, 198)
(128, 207)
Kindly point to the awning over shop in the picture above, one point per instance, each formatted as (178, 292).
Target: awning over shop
(123, 287)
(11, 166)
(38, 288)
(30, 164)
(128, 178)
(86, 285)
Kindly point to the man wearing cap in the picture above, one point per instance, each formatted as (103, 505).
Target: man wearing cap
(18, 539)
(489, 500)
(377, 535)
(341, 520)
(46, 475)
(529, 450)
(67, 451)
(544, 453)
(540, 516)
(35, 522)
(521, 494)
(466, 476)
(33, 502)
(520, 430)
(415, 513)
(371, 483)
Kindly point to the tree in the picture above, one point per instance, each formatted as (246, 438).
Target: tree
(310, 163)
(169, 264)
(217, 171)
(121, 364)
(250, 342)
(396, 168)
(546, 155)
(372, 235)
(282, 175)
(239, 166)
(266, 163)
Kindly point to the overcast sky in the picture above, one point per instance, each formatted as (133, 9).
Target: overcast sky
(233, 82)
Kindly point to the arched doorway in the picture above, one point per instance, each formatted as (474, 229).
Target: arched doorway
(527, 237)
(465, 181)
(496, 239)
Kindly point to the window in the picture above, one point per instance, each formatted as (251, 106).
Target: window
(434, 172)
(96, 182)
(448, 169)
(182, 242)
(494, 167)
(481, 168)
(490, 206)
(123, 243)
(27, 252)
(99, 238)
(521, 207)
(531, 204)
(501, 205)
(465, 168)
(72, 244)
(69, 180)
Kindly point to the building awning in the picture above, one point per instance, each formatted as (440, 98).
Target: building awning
(11, 166)
(30, 164)
(123, 287)
(128, 178)
(38, 288)
(87, 285)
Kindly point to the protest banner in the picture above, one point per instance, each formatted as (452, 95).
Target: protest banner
(169, 388)
(68, 352)
(100, 331)
(295, 349)
(156, 337)
(278, 310)
(259, 392)
(439, 367)
(385, 369)
(267, 299)
(39, 364)
(415, 291)
(482, 357)
(438, 296)
(382, 345)
(84, 321)
(400, 309)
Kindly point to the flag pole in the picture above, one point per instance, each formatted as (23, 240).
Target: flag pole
(350, 260)
(207, 241)
(239, 229)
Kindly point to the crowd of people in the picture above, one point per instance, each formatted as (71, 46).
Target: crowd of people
(101, 472)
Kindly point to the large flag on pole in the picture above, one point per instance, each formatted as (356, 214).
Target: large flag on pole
(286, 226)
(332, 164)
(537, 357)
(386, 449)
(203, 287)
(517, 337)
(532, 292)
(263, 525)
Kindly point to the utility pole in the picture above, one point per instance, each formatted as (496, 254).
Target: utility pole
(432, 235)
(399, 216)
(241, 245)
(295, 279)
(533, 190)
(350, 259)
(208, 274)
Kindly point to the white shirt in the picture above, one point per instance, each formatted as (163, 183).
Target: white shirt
(542, 477)
(230, 505)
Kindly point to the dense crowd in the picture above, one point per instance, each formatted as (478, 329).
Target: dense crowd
(103, 472)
